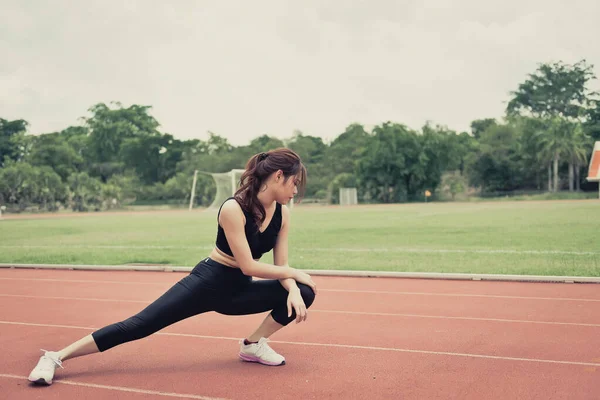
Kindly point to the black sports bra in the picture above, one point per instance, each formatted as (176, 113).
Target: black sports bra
(259, 242)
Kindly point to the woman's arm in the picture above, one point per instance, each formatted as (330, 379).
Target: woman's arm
(280, 251)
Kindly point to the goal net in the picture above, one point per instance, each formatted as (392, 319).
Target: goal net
(348, 196)
(226, 183)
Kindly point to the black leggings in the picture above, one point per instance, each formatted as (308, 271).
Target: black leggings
(210, 286)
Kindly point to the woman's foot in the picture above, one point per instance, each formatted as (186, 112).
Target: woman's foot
(44, 370)
(260, 352)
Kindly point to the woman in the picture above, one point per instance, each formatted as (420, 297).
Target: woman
(250, 224)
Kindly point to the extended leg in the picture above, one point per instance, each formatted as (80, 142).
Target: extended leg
(82, 347)
(179, 302)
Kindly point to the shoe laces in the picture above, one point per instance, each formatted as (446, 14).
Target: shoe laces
(48, 361)
(263, 348)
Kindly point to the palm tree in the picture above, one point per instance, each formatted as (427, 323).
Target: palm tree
(562, 139)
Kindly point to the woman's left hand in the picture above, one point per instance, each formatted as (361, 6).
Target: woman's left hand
(296, 302)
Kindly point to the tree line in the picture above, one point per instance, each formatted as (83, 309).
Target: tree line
(118, 155)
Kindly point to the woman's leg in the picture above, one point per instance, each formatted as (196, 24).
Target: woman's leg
(184, 299)
(258, 297)
(181, 301)
(265, 295)
(82, 347)
(267, 328)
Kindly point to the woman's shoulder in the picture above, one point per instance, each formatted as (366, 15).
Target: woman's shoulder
(284, 213)
(229, 204)
(230, 208)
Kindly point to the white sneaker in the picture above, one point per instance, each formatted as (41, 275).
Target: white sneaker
(44, 370)
(261, 353)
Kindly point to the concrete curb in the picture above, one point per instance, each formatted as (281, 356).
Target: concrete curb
(370, 274)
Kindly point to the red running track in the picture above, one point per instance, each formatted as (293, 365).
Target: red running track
(364, 338)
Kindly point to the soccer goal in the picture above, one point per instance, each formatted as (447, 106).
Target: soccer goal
(594, 170)
(226, 184)
(348, 196)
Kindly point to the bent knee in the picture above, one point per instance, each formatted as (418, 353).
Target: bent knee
(308, 295)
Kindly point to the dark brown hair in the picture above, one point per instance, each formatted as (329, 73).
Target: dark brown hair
(258, 168)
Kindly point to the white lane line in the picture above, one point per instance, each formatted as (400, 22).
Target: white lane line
(120, 388)
(444, 353)
(86, 281)
(492, 296)
(74, 298)
(330, 311)
(90, 328)
(457, 318)
(347, 346)
(402, 293)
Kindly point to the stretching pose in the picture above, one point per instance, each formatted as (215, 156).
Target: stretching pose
(253, 222)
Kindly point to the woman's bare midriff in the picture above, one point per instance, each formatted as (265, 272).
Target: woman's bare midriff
(222, 258)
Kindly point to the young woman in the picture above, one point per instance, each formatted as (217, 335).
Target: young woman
(253, 222)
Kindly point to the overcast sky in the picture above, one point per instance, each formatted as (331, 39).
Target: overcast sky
(246, 68)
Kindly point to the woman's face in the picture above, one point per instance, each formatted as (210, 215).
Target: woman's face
(286, 189)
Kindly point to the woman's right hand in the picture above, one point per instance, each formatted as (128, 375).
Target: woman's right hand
(303, 277)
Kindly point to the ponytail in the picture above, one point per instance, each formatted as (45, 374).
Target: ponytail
(258, 168)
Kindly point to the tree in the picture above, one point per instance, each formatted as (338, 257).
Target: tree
(557, 94)
(577, 153)
(453, 183)
(78, 138)
(86, 192)
(23, 185)
(563, 139)
(312, 150)
(444, 150)
(17, 184)
(109, 128)
(345, 150)
(153, 158)
(264, 143)
(53, 151)
(393, 165)
(9, 144)
(52, 191)
(481, 125)
(554, 90)
(496, 165)
(592, 122)
(535, 161)
(461, 146)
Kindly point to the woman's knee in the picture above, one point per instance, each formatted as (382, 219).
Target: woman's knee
(308, 295)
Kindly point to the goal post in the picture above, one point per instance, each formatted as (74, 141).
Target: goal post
(594, 168)
(226, 184)
(348, 196)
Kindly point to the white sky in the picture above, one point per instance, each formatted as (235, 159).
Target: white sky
(246, 68)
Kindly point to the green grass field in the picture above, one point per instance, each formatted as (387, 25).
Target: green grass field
(537, 238)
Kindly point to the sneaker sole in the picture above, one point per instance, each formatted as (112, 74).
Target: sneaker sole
(247, 358)
(40, 381)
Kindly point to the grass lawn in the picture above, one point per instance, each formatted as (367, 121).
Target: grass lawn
(509, 237)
